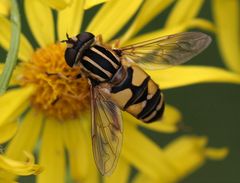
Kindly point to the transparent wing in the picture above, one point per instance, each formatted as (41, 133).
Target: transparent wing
(106, 132)
(167, 51)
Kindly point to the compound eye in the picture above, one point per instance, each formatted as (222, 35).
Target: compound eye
(70, 55)
(85, 37)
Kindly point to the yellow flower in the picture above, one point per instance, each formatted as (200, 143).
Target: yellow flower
(54, 109)
(226, 17)
(182, 157)
(61, 4)
(4, 7)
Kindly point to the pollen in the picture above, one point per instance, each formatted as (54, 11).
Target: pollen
(60, 92)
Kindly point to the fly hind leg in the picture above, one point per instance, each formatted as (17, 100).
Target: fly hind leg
(99, 39)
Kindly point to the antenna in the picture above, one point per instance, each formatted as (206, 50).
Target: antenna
(68, 40)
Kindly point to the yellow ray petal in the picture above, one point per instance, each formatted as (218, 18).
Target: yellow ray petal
(78, 150)
(13, 80)
(186, 153)
(7, 131)
(186, 75)
(26, 137)
(52, 157)
(147, 12)
(112, 17)
(216, 153)
(141, 178)
(121, 174)
(1, 67)
(70, 19)
(4, 7)
(25, 48)
(168, 124)
(93, 176)
(57, 4)
(90, 3)
(40, 19)
(226, 16)
(20, 168)
(13, 103)
(194, 23)
(5, 180)
(93, 173)
(146, 156)
(183, 11)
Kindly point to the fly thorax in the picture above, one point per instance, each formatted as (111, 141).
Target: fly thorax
(100, 63)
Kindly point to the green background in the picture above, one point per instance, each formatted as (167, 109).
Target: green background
(210, 109)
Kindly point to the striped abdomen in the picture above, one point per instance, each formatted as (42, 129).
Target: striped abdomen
(139, 95)
(100, 63)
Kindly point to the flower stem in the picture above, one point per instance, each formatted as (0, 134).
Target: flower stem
(13, 50)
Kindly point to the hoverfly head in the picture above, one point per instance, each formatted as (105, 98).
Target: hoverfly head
(76, 46)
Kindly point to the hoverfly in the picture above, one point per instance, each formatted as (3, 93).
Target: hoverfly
(117, 82)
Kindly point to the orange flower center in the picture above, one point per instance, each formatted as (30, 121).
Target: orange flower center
(60, 93)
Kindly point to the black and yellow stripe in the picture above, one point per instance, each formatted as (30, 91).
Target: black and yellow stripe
(100, 63)
(142, 102)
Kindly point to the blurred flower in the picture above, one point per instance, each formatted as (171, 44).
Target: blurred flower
(57, 4)
(54, 110)
(61, 4)
(183, 16)
(182, 157)
(226, 17)
(90, 3)
(4, 7)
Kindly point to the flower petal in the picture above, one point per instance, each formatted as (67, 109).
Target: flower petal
(13, 80)
(112, 17)
(57, 4)
(93, 173)
(75, 140)
(226, 16)
(52, 156)
(26, 137)
(17, 102)
(186, 75)
(121, 174)
(185, 154)
(20, 168)
(90, 3)
(216, 153)
(146, 156)
(194, 23)
(7, 131)
(25, 48)
(193, 155)
(168, 124)
(183, 11)
(141, 178)
(70, 19)
(1, 66)
(40, 19)
(147, 12)
(4, 7)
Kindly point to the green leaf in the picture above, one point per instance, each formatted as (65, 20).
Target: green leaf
(13, 50)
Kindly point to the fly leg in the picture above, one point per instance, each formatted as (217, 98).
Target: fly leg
(99, 39)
